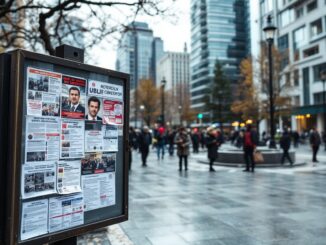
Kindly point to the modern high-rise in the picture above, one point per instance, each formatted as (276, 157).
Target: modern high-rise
(138, 53)
(219, 31)
(301, 33)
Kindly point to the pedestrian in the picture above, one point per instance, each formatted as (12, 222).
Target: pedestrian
(296, 137)
(182, 140)
(202, 139)
(195, 137)
(160, 143)
(132, 143)
(249, 145)
(145, 139)
(170, 140)
(315, 142)
(285, 143)
(212, 144)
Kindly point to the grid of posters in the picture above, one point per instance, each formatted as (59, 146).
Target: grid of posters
(71, 144)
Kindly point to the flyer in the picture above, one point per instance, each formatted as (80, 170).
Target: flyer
(68, 177)
(110, 138)
(66, 212)
(34, 219)
(73, 97)
(42, 139)
(42, 95)
(38, 179)
(99, 190)
(97, 163)
(93, 136)
(105, 90)
(112, 112)
(72, 139)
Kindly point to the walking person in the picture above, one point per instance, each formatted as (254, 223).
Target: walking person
(195, 137)
(202, 138)
(212, 144)
(315, 142)
(145, 139)
(296, 137)
(170, 140)
(160, 144)
(182, 140)
(132, 143)
(249, 145)
(285, 143)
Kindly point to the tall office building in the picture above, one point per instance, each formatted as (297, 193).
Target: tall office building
(301, 33)
(219, 31)
(138, 53)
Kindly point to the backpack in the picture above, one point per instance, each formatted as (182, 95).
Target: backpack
(248, 140)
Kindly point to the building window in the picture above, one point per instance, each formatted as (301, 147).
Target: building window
(296, 100)
(312, 5)
(311, 51)
(317, 69)
(316, 27)
(287, 17)
(318, 98)
(299, 38)
(306, 87)
(299, 12)
(283, 42)
(296, 77)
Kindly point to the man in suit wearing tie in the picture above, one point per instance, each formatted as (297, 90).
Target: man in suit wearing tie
(94, 105)
(74, 106)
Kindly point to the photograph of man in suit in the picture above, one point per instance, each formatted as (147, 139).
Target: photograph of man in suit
(74, 105)
(94, 105)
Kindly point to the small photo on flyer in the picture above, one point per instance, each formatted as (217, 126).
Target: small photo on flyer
(96, 163)
(94, 109)
(73, 97)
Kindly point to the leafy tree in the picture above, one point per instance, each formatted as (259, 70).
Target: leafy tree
(147, 95)
(42, 25)
(218, 98)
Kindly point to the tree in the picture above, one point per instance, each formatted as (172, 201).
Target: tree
(217, 100)
(41, 25)
(147, 95)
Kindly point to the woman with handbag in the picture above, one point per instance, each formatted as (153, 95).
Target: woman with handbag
(182, 140)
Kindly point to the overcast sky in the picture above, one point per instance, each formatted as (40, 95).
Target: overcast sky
(174, 32)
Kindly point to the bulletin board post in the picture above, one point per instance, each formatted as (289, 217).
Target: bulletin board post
(67, 149)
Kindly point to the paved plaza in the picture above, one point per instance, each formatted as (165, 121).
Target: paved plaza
(271, 206)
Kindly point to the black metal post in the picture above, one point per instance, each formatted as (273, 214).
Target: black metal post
(271, 95)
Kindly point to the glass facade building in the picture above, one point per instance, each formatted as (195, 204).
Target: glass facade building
(219, 31)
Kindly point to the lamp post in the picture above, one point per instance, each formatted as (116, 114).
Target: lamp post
(142, 108)
(269, 30)
(180, 114)
(323, 78)
(163, 82)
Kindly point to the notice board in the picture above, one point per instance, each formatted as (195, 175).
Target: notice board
(68, 148)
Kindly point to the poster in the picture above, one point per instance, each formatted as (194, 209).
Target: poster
(66, 212)
(38, 179)
(68, 177)
(97, 163)
(94, 109)
(72, 139)
(99, 190)
(42, 139)
(93, 136)
(105, 90)
(110, 138)
(73, 97)
(42, 93)
(112, 112)
(34, 219)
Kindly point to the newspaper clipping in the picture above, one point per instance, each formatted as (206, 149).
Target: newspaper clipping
(73, 97)
(93, 136)
(34, 219)
(110, 138)
(68, 177)
(42, 139)
(42, 94)
(99, 190)
(66, 212)
(97, 163)
(38, 179)
(72, 139)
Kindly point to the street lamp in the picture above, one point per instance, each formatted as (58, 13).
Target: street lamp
(323, 78)
(180, 114)
(269, 30)
(163, 82)
(142, 108)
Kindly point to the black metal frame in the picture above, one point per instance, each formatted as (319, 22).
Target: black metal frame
(18, 58)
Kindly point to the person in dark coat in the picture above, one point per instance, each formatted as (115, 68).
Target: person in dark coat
(195, 138)
(170, 140)
(296, 137)
(132, 143)
(202, 139)
(182, 140)
(250, 141)
(145, 139)
(315, 142)
(212, 144)
(285, 143)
